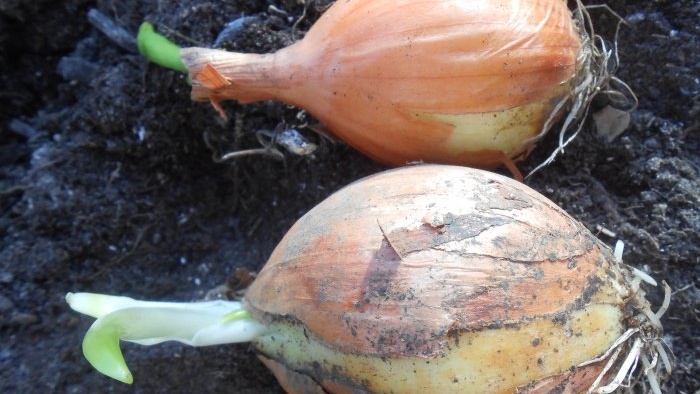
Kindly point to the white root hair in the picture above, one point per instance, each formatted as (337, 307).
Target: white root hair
(596, 65)
(645, 336)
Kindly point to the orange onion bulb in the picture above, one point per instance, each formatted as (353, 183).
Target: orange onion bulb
(447, 279)
(467, 82)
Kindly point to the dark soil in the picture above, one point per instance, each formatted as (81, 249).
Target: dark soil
(108, 183)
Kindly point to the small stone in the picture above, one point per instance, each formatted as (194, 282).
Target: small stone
(611, 122)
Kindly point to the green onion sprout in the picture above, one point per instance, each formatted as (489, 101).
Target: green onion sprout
(159, 49)
(149, 323)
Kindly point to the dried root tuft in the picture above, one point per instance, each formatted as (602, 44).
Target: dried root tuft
(642, 342)
(597, 64)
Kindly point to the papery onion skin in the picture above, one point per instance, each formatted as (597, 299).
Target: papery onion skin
(451, 81)
(438, 279)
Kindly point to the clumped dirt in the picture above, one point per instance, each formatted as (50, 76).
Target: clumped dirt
(109, 183)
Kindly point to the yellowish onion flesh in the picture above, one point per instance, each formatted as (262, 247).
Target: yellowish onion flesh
(439, 279)
(451, 81)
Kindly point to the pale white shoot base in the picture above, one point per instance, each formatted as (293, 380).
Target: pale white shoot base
(149, 323)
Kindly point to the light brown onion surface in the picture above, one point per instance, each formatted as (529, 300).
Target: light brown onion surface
(439, 279)
(451, 81)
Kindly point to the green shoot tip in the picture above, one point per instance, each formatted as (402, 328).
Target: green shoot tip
(159, 49)
(101, 349)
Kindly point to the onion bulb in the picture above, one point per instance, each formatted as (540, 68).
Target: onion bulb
(466, 82)
(425, 279)
(437, 279)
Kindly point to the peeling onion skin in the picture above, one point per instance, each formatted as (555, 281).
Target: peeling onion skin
(465, 82)
(439, 279)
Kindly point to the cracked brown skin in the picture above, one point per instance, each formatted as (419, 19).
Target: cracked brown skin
(398, 264)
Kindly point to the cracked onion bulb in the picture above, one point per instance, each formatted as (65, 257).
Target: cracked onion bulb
(441, 279)
(467, 82)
